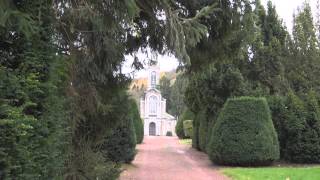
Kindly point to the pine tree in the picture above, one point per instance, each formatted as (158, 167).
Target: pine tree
(303, 67)
(268, 50)
(31, 93)
(165, 88)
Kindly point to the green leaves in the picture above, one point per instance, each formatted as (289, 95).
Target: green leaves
(244, 134)
(18, 20)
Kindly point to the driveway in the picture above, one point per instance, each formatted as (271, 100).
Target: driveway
(163, 158)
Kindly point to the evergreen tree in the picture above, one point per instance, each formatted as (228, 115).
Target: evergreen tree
(303, 64)
(165, 88)
(177, 95)
(137, 121)
(268, 50)
(33, 112)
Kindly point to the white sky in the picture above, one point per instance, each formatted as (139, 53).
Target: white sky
(285, 9)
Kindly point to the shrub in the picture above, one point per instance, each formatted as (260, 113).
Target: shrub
(244, 134)
(187, 114)
(303, 128)
(137, 121)
(187, 128)
(195, 137)
(279, 114)
(119, 145)
(203, 130)
(179, 129)
(169, 133)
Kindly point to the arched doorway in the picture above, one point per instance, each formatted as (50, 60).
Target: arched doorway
(152, 129)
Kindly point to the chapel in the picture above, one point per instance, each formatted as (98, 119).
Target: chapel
(157, 122)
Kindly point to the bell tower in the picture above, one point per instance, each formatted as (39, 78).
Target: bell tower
(153, 76)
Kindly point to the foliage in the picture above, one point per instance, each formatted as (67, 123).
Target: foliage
(256, 55)
(98, 52)
(187, 115)
(179, 129)
(279, 111)
(206, 93)
(33, 108)
(119, 145)
(204, 127)
(165, 88)
(187, 128)
(303, 68)
(196, 132)
(302, 125)
(244, 134)
(269, 51)
(178, 105)
(169, 133)
(137, 121)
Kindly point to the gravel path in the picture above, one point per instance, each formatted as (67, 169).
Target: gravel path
(163, 158)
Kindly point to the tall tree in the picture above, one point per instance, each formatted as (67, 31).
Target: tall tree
(178, 95)
(303, 66)
(268, 50)
(166, 89)
(96, 35)
(33, 113)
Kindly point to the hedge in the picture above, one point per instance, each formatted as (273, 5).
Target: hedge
(119, 145)
(137, 121)
(179, 129)
(302, 125)
(195, 137)
(203, 130)
(244, 134)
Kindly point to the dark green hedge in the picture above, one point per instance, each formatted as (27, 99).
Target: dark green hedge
(203, 130)
(195, 137)
(179, 129)
(244, 134)
(297, 121)
(137, 121)
(119, 145)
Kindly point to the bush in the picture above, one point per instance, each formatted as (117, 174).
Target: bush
(169, 133)
(119, 145)
(187, 114)
(195, 137)
(187, 128)
(302, 126)
(137, 121)
(203, 130)
(244, 134)
(179, 129)
(279, 115)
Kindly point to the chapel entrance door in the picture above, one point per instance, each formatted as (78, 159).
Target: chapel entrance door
(152, 129)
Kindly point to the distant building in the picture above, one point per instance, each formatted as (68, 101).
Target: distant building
(157, 122)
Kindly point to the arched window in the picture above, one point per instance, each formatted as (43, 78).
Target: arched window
(153, 104)
(153, 79)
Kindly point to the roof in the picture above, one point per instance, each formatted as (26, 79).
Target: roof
(168, 116)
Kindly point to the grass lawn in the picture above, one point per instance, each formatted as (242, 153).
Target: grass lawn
(185, 141)
(274, 173)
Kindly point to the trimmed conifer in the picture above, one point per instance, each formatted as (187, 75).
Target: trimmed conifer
(244, 134)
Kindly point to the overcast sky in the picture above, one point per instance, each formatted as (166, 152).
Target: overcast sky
(285, 9)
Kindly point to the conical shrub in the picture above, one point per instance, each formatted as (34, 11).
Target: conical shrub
(244, 134)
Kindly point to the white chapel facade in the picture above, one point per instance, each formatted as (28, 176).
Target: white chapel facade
(157, 122)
